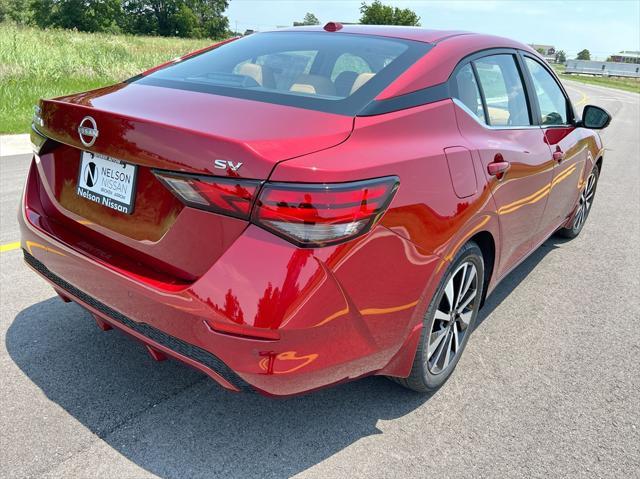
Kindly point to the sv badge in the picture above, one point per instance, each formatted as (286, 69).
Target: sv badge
(224, 164)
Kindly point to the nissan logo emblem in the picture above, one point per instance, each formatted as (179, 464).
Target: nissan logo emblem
(88, 131)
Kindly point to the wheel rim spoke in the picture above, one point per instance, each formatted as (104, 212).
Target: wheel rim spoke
(456, 340)
(462, 286)
(466, 318)
(579, 216)
(452, 317)
(447, 356)
(434, 343)
(449, 293)
(442, 346)
(466, 302)
(442, 316)
(590, 182)
(467, 283)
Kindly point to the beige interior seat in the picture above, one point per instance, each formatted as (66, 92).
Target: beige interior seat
(313, 85)
(361, 80)
(260, 73)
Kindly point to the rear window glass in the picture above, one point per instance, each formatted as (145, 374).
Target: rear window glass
(339, 73)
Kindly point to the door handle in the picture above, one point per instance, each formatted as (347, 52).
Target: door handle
(498, 167)
(558, 155)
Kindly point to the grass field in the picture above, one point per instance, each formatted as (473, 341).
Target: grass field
(38, 64)
(627, 84)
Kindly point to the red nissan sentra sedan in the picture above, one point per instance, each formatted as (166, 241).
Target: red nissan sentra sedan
(298, 208)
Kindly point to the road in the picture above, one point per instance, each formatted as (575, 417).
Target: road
(549, 384)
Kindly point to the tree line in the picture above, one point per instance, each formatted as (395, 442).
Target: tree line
(181, 18)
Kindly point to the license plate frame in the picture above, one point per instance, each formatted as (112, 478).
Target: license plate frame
(107, 181)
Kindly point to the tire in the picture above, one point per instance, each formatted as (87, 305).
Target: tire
(428, 373)
(583, 208)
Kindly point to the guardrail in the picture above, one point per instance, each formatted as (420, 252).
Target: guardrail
(588, 67)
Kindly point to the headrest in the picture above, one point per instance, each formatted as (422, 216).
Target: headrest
(313, 84)
(252, 70)
(344, 82)
(361, 80)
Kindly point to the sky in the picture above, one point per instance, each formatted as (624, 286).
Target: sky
(603, 27)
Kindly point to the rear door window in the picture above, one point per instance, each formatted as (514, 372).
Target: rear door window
(468, 93)
(503, 91)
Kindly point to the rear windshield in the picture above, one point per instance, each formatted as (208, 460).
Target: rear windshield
(338, 73)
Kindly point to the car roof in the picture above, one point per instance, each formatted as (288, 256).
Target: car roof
(407, 33)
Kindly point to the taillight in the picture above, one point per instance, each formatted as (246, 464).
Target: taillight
(306, 214)
(228, 196)
(322, 214)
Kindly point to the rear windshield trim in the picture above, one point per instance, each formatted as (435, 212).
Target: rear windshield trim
(349, 106)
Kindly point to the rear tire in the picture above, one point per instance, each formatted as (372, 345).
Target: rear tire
(448, 322)
(583, 208)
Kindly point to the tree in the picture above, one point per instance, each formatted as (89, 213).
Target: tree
(379, 14)
(584, 55)
(18, 11)
(541, 51)
(82, 15)
(309, 19)
(561, 56)
(184, 18)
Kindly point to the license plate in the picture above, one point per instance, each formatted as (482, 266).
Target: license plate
(107, 181)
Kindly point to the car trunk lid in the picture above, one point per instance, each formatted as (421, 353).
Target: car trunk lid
(154, 128)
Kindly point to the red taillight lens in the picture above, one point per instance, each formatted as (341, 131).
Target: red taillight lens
(306, 214)
(229, 196)
(322, 214)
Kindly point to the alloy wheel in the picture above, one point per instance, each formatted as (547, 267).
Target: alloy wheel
(453, 317)
(585, 202)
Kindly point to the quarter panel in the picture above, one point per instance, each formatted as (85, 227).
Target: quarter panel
(410, 144)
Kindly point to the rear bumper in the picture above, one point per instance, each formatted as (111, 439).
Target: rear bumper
(174, 347)
(266, 316)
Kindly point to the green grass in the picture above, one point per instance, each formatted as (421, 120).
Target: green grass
(38, 64)
(627, 84)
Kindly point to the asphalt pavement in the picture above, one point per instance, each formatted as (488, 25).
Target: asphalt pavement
(549, 384)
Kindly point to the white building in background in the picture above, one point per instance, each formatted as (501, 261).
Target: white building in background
(589, 67)
(626, 56)
(547, 51)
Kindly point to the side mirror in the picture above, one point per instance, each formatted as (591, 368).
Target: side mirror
(595, 118)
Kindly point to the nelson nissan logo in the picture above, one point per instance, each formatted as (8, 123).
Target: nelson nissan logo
(91, 174)
(88, 131)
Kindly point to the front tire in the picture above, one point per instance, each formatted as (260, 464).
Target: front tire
(583, 208)
(448, 321)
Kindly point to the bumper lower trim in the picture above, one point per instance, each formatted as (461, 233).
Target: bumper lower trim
(172, 343)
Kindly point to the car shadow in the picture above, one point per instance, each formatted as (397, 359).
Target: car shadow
(178, 423)
(513, 279)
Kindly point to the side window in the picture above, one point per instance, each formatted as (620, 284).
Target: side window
(553, 104)
(468, 92)
(503, 91)
(347, 62)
